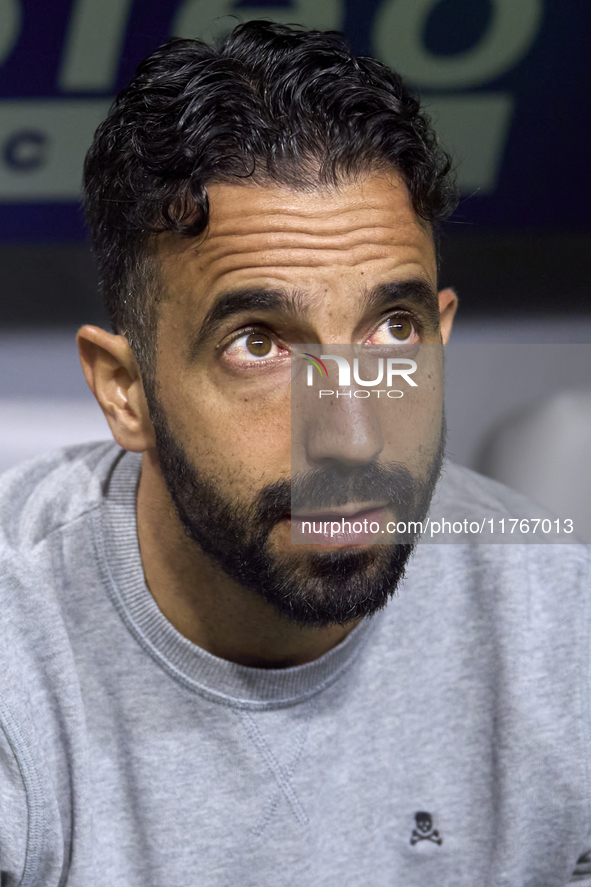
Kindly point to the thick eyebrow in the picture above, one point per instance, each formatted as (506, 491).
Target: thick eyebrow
(416, 291)
(293, 303)
(289, 302)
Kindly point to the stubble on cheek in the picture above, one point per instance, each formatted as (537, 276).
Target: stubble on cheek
(238, 444)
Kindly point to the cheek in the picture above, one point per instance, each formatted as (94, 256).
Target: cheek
(243, 439)
(412, 424)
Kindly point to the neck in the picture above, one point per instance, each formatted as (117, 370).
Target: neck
(203, 603)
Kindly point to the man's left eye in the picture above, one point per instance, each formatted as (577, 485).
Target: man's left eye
(395, 330)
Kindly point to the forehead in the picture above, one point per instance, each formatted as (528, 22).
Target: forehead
(362, 234)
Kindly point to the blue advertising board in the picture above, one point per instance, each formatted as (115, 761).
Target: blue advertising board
(506, 81)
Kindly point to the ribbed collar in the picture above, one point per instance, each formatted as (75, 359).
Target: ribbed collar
(218, 679)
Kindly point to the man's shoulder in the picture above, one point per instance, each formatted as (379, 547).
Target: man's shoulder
(462, 488)
(504, 531)
(478, 593)
(46, 493)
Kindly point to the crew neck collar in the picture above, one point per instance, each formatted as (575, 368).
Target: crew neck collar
(198, 670)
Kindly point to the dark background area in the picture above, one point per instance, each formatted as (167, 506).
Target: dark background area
(511, 74)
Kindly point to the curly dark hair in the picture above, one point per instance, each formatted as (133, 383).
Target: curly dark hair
(271, 104)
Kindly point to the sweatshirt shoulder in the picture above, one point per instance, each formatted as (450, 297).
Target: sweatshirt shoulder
(461, 487)
(52, 490)
(464, 494)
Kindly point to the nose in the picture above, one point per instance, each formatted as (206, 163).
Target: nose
(344, 430)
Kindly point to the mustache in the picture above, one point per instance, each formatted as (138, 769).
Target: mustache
(331, 487)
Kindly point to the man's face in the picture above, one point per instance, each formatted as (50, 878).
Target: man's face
(279, 267)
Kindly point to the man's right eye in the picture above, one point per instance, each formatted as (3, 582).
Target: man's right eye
(252, 347)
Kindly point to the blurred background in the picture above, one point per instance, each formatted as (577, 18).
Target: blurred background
(507, 84)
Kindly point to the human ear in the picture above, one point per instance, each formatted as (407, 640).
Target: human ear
(448, 303)
(113, 375)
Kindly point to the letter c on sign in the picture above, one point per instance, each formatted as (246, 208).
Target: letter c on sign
(26, 150)
(10, 25)
(398, 32)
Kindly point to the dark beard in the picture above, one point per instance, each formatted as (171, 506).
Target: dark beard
(314, 589)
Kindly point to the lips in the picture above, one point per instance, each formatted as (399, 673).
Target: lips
(347, 526)
(353, 511)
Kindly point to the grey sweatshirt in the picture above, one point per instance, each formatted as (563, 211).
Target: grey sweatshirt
(444, 743)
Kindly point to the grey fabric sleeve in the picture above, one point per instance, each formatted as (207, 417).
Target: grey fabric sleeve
(14, 818)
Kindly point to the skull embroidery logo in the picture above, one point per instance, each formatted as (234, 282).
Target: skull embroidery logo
(424, 830)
